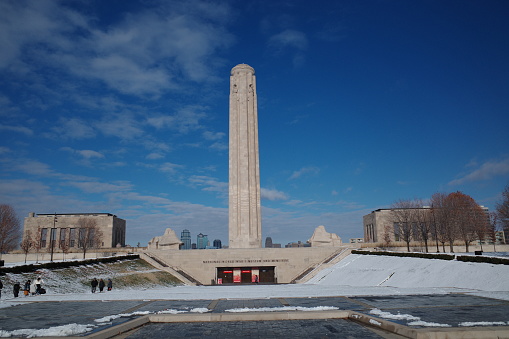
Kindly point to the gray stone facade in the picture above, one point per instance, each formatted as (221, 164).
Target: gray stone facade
(66, 228)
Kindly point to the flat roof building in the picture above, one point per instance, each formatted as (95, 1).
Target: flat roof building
(64, 228)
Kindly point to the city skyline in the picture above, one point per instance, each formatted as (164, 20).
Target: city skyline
(122, 107)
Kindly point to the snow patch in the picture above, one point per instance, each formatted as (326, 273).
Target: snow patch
(282, 309)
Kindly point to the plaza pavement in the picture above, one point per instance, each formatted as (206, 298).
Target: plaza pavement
(352, 320)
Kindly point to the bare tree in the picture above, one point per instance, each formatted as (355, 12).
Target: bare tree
(64, 246)
(492, 229)
(10, 229)
(444, 228)
(27, 243)
(38, 242)
(503, 211)
(422, 218)
(403, 218)
(387, 235)
(89, 235)
(466, 215)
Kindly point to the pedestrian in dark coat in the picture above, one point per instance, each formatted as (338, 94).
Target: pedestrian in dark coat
(1, 286)
(101, 285)
(16, 289)
(27, 287)
(110, 284)
(94, 285)
(38, 283)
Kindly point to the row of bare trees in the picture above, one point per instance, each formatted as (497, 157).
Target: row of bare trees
(447, 218)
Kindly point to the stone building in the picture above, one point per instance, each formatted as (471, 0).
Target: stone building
(381, 222)
(64, 229)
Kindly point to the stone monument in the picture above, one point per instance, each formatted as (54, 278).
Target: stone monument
(245, 230)
(322, 238)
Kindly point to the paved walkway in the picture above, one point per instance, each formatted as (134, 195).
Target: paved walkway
(414, 311)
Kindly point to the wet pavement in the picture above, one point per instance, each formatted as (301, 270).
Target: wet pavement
(450, 309)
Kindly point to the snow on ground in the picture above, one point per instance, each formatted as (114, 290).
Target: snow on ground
(370, 270)
(354, 276)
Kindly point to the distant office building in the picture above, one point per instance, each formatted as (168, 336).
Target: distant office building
(202, 241)
(217, 243)
(185, 237)
(193, 246)
(268, 242)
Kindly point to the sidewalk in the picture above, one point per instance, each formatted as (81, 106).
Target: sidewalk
(361, 317)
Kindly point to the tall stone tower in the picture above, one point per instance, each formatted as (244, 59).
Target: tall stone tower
(245, 230)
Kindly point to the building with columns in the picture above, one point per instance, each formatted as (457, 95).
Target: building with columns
(64, 227)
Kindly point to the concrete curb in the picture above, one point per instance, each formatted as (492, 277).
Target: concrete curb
(492, 332)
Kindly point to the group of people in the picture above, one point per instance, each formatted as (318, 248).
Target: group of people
(101, 285)
(30, 287)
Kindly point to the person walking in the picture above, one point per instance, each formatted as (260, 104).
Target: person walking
(26, 288)
(110, 284)
(94, 285)
(15, 289)
(33, 288)
(101, 285)
(1, 286)
(38, 283)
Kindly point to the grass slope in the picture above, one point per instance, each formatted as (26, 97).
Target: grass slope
(126, 274)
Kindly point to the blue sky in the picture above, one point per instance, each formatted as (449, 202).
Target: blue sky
(122, 107)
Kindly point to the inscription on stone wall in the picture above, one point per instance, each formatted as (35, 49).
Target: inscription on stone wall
(247, 261)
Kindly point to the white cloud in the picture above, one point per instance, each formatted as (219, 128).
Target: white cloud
(271, 194)
(100, 187)
(144, 52)
(486, 171)
(74, 128)
(305, 170)
(88, 154)
(170, 168)
(18, 129)
(213, 135)
(154, 156)
(208, 183)
(289, 38)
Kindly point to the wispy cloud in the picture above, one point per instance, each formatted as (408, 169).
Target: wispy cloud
(146, 52)
(486, 171)
(272, 194)
(289, 38)
(18, 129)
(311, 170)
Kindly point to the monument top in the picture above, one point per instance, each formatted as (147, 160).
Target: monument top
(242, 67)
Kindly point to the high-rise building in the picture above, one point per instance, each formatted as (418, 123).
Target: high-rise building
(244, 223)
(268, 242)
(217, 243)
(185, 237)
(202, 241)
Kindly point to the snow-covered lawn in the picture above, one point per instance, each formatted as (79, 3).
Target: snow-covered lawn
(356, 275)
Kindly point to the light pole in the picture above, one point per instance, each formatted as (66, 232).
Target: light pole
(52, 236)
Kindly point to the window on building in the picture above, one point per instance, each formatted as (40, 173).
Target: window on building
(72, 237)
(397, 233)
(62, 236)
(53, 237)
(91, 234)
(81, 236)
(44, 236)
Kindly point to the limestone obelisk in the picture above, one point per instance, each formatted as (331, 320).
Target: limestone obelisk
(245, 230)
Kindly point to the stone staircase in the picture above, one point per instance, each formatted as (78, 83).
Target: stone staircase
(175, 271)
(311, 271)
